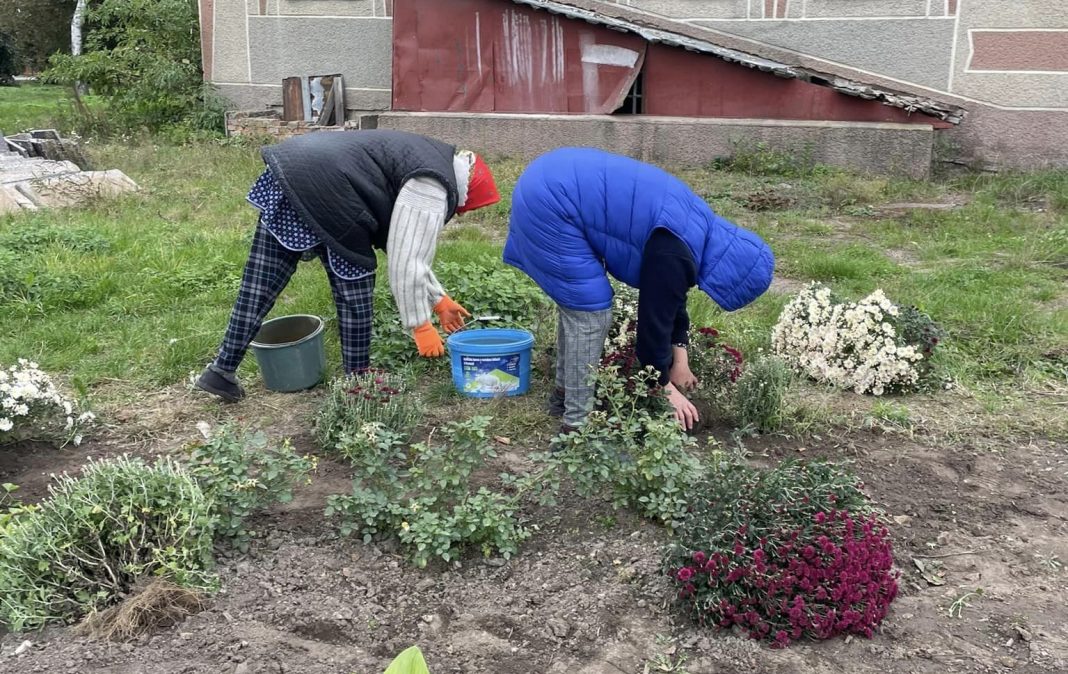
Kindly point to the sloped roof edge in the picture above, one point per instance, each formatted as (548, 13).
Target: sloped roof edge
(667, 34)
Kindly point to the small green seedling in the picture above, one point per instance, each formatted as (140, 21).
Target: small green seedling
(1053, 563)
(410, 661)
(958, 606)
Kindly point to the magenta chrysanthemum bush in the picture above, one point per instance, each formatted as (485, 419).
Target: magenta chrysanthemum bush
(784, 554)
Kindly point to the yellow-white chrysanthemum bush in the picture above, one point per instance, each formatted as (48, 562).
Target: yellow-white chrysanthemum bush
(871, 346)
(33, 408)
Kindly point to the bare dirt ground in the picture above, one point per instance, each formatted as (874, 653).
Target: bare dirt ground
(982, 508)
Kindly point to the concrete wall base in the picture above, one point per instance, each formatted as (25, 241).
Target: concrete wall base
(877, 148)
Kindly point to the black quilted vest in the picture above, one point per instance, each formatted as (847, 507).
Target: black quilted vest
(343, 184)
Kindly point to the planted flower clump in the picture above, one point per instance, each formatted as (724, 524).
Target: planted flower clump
(424, 496)
(631, 450)
(751, 396)
(871, 346)
(784, 554)
(375, 397)
(96, 535)
(33, 408)
(716, 365)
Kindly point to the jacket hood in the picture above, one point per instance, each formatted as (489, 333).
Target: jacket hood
(736, 267)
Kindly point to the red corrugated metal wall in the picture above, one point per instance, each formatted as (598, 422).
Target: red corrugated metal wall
(493, 56)
(497, 56)
(684, 84)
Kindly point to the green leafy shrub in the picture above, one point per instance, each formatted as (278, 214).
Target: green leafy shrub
(485, 290)
(10, 507)
(376, 397)
(38, 28)
(783, 553)
(631, 448)
(759, 396)
(143, 58)
(241, 473)
(95, 535)
(378, 457)
(392, 347)
(423, 494)
(494, 289)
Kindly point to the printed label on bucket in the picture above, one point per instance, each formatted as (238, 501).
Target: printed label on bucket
(490, 374)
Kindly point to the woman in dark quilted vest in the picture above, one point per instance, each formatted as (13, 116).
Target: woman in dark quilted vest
(579, 215)
(338, 196)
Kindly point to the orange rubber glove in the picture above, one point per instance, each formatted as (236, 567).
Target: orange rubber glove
(450, 314)
(428, 341)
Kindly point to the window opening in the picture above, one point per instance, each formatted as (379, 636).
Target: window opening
(633, 104)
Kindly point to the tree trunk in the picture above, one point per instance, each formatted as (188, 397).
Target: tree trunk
(76, 23)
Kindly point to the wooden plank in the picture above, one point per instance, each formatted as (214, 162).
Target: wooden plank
(292, 99)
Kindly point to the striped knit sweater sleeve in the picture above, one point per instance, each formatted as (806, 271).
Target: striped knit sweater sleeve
(418, 216)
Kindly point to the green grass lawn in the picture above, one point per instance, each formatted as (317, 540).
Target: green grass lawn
(31, 106)
(137, 290)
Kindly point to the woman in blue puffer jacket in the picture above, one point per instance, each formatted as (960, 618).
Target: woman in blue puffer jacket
(580, 214)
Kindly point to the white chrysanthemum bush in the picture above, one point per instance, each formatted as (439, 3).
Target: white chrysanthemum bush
(871, 346)
(33, 408)
(624, 319)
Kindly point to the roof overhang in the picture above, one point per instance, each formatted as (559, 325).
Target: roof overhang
(662, 31)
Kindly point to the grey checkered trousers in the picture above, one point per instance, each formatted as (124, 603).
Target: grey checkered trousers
(267, 271)
(580, 339)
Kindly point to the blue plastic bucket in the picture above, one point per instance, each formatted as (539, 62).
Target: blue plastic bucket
(491, 362)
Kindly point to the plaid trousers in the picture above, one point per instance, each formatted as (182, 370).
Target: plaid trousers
(267, 272)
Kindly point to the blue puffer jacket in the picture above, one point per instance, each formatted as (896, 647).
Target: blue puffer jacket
(578, 212)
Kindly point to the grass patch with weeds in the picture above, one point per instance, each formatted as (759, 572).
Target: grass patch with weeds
(30, 106)
(144, 295)
(1042, 190)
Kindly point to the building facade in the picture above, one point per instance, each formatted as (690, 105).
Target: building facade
(1003, 66)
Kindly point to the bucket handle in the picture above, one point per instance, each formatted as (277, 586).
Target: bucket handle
(468, 324)
(478, 319)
